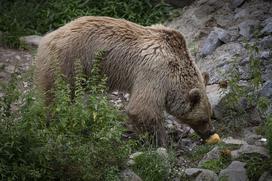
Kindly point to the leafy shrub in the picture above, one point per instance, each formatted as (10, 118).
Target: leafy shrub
(256, 165)
(216, 165)
(235, 115)
(23, 17)
(151, 166)
(66, 141)
(224, 159)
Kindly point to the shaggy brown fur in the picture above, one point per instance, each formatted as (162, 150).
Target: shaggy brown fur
(151, 63)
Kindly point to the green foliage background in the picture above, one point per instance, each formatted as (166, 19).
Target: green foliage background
(25, 17)
(66, 141)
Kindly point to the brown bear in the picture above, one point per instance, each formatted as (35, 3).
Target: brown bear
(152, 63)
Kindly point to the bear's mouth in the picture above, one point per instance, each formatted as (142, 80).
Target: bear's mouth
(206, 135)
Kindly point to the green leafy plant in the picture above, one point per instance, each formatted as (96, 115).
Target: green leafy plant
(216, 165)
(224, 159)
(256, 165)
(24, 17)
(79, 139)
(200, 151)
(151, 166)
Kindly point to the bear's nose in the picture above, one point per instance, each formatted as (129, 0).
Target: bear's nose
(208, 133)
(211, 132)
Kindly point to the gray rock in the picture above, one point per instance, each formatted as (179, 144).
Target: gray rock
(241, 15)
(267, 26)
(236, 3)
(136, 154)
(219, 63)
(266, 43)
(253, 138)
(31, 41)
(254, 115)
(214, 154)
(267, 29)
(131, 162)
(215, 3)
(192, 172)
(266, 90)
(266, 176)
(267, 21)
(207, 176)
(198, 174)
(10, 68)
(187, 143)
(250, 135)
(215, 95)
(266, 54)
(211, 43)
(132, 158)
(267, 74)
(234, 172)
(230, 140)
(223, 35)
(244, 71)
(248, 27)
(216, 38)
(162, 152)
(204, 10)
(170, 127)
(129, 175)
(247, 149)
(126, 96)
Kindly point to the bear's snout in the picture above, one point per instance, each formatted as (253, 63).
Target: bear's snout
(207, 134)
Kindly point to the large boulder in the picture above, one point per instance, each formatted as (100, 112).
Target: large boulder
(267, 24)
(129, 175)
(210, 44)
(219, 64)
(266, 90)
(248, 27)
(216, 38)
(266, 43)
(248, 149)
(198, 174)
(232, 141)
(216, 95)
(234, 172)
(214, 154)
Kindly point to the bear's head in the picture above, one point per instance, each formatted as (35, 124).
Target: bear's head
(198, 113)
(192, 108)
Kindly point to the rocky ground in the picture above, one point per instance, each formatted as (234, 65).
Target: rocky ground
(218, 33)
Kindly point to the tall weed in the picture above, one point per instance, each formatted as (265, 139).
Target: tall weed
(70, 140)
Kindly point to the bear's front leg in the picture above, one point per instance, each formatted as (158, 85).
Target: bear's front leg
(145, 111)
(143, 122)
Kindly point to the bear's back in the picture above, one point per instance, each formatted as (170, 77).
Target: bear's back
(131, 50)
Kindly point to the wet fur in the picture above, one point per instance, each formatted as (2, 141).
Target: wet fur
(151, 63)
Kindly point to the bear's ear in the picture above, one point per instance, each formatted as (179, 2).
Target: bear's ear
(194, 96)
(206, 77)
